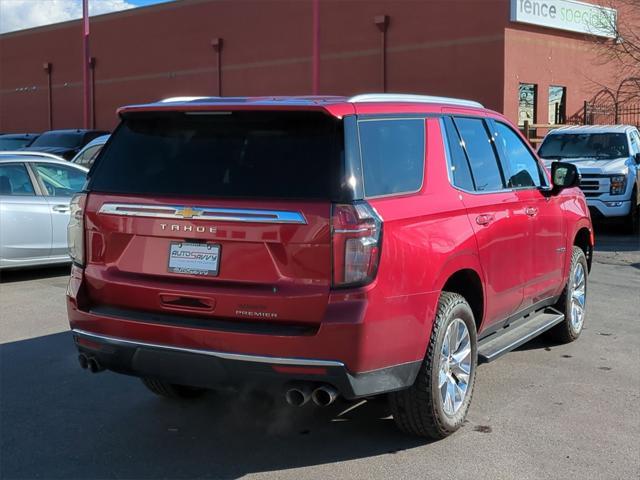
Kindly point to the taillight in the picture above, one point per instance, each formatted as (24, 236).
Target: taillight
(356, 231)
(75, 229)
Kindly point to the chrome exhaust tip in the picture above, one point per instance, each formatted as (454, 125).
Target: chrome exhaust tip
(324, 396)
(83, 361)
(297, 396)
(94, 366)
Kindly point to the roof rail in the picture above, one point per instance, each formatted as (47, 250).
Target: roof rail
(180, 99)
(30, 153)
(400, 97)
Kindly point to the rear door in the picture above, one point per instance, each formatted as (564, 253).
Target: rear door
(25, 219)
(495, 213)
(60, 183)
(225, 214)
(544, 273)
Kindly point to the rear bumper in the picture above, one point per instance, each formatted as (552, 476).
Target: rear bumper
(213, 369)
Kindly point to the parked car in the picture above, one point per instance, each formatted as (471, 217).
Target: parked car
(355, 247)
(65, 143)
(15, 141)
(35, 192)
(90, 151)
(608, 159)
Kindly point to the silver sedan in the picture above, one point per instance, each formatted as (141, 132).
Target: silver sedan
(35, 192)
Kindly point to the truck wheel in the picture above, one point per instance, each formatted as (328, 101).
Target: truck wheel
(573, 300)
(436, 404)
(171, 390)
(632, 221)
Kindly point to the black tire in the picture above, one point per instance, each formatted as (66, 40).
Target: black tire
(419, 409)
(632, 221)
(170, 390)
(566, 331)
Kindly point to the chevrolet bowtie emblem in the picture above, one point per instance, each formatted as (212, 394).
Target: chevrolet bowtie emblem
(188, 212)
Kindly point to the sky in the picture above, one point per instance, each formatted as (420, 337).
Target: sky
(21, 14)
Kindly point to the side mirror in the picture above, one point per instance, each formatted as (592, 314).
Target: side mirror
(564, 175)
(637, 158)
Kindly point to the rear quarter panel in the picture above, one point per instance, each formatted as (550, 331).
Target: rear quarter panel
(426, 238)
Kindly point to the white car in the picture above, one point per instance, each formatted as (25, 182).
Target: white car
(608, 159)
(35, 192)
(90, 151)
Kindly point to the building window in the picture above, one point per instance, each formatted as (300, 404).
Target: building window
(527, 101)
(557, 104)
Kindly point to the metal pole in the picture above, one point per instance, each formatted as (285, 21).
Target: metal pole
(315, 64)
(47, 69)
(382, 21)
(216, 43)
(92, 65)
(85, 64)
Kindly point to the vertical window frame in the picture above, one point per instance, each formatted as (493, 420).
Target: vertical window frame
(449, 154)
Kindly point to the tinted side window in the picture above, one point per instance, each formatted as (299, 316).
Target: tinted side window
(460, 171)
(482, 158)
(14, 180)
(522, 166)
(392, 155)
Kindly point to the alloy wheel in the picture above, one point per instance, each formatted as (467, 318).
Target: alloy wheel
(578, 297)
(455, 366)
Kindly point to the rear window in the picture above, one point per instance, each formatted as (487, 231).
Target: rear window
(224, 154)
(392, 155)
(58, 139)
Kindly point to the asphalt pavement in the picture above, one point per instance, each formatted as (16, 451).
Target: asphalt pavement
(542, 411)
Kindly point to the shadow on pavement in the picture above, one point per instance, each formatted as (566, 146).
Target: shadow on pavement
(59, 421)
(33, 273)
(613, 238)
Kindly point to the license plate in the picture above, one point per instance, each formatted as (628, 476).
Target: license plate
(194, 258)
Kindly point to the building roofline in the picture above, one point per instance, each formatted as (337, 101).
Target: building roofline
(169, 4)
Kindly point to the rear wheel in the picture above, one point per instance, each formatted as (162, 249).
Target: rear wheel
(573, 300)
(436, 404)
(171, 390)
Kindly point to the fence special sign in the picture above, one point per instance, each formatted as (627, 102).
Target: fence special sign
(567, 15)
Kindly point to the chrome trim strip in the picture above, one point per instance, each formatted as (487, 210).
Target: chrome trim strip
(203, 213)
(224, 355)
(355, 230)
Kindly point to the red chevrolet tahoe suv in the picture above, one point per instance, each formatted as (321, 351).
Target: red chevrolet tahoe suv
(325, 246)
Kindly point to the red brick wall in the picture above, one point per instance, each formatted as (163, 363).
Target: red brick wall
(441, 47)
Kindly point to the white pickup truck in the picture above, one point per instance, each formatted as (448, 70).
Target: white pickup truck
(608, 158)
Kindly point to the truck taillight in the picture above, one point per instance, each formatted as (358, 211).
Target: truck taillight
(75, 229)
(356, 231)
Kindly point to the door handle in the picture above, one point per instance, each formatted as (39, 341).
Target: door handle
(61, 208)
(531, 211)
(484, 219)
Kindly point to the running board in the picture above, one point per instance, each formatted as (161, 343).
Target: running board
(516, 334)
